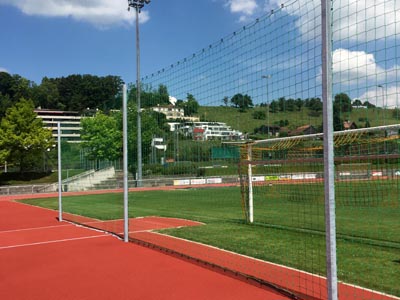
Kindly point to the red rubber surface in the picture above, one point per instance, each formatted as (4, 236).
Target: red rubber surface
(92, 265)
(290, 279)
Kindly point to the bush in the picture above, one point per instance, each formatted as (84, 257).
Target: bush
(259, 115)
(314, 113)
(178, 168)
(24, 176)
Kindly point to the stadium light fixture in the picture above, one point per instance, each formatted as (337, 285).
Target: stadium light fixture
(138, 5)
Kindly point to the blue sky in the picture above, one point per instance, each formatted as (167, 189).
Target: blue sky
(56, 38)
(39, 39)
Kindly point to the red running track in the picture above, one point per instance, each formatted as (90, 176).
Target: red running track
(41, 258)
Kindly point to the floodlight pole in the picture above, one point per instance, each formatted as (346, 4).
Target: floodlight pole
(267, 77)
(138, 5)
(384, 106)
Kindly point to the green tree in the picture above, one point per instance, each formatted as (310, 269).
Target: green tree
(12, 88)
(150, 97)
(163, 95)
(342, 103)
(357, 102)
(337, 121)
(368, 104)
(190, 106)
(274, 107)
(5, 103)
(6, 84)
(282, 104)
(78, 92)
(299, 104)
(314, 104)
(225, 101)
(23, 139)
(291, 105)
(46, 95)
(242, 102)
(150, 128)
(21, 88)
(101, 138)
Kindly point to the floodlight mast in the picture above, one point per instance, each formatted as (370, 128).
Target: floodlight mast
(267, 77)
(138, 5)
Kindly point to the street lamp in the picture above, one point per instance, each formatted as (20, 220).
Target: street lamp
(138, 5)
(383, 103)
(267, 77)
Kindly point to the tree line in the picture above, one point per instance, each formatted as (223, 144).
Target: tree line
(24, 142)
(73, 92)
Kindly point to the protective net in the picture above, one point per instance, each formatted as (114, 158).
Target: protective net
(282, 184)
(230, 162)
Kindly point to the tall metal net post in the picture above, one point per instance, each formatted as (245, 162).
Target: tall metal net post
(329, 166)
(60, 209)
(125, 161)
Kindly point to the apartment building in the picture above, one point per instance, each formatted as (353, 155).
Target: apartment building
(70, 122)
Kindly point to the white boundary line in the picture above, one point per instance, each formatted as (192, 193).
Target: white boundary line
(278, 265)
(18, 201)
(52, 242)
(35, 228)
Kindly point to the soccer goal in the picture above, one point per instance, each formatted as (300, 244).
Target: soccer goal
(291, 169)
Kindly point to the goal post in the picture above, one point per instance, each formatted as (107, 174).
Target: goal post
(360, 154)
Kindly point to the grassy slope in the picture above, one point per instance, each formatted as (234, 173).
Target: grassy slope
(246, 123)
(288, 232)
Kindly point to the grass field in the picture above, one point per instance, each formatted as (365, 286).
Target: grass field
(286, 230)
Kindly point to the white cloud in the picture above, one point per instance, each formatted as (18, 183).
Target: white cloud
(3, 70)
(246, 8)
(361, 69)
(357, 20)
(383, 97)
(352, 67)
(100, 13)
(367, 20)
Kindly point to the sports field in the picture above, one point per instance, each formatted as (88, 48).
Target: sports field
(367, 232)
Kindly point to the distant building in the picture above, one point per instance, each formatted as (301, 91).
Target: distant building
(303, 130)
(347, 125)
(272, 130)
(198, 134)
(70, 122)
(204, 131)
(174, 113)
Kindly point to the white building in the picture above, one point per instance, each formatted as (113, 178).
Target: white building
(70, 122)
(205, 131)
(174, 113)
